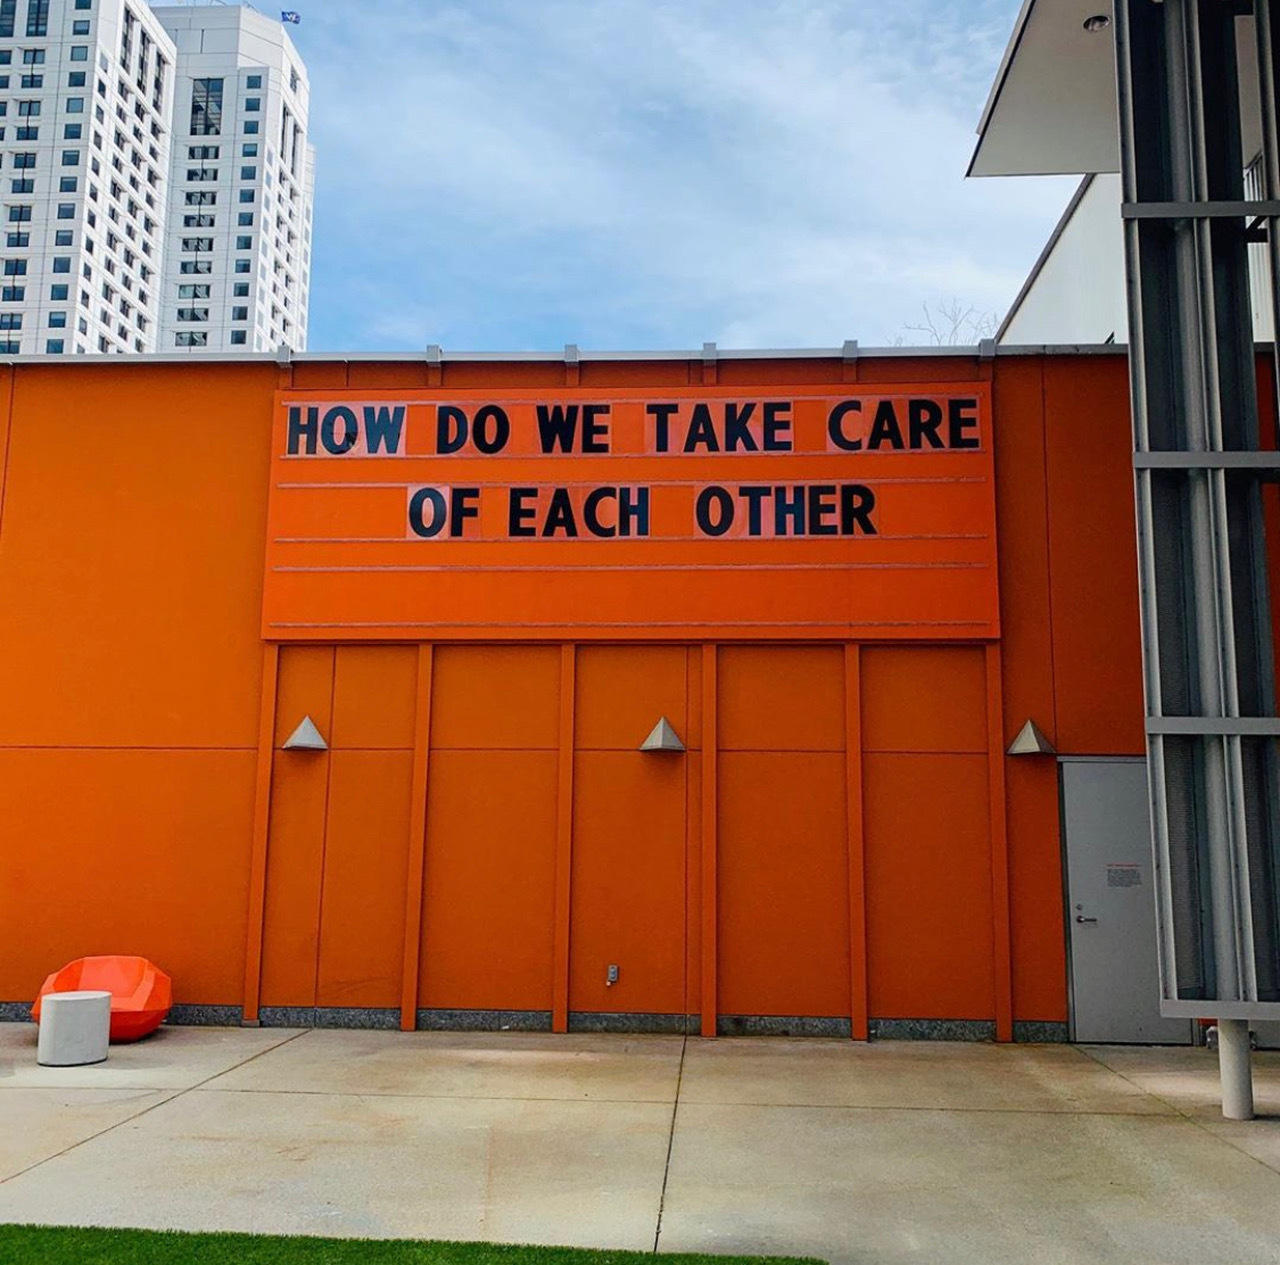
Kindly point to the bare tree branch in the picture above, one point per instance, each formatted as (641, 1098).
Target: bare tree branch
(952, 325)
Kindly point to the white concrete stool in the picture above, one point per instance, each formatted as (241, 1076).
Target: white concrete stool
(75, 1028)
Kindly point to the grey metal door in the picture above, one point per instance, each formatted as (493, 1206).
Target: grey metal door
(1115, 983)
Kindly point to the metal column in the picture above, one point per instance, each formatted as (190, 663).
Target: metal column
(1199, 469)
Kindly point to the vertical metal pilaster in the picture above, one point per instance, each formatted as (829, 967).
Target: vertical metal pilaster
(1207, 647)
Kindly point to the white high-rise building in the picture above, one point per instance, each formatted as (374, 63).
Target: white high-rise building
(238, 247)
(85, 102)
(157, 179)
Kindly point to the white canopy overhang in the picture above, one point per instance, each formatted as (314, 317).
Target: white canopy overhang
(1052, 108)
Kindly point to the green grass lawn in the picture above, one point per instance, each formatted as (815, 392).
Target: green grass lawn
(53, 1245)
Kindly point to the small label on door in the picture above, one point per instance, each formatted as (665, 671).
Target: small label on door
(1124, 876)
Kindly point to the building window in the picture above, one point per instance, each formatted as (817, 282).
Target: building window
(15, 267)
(191, 338)
(13, 294)
(58, 294)
(75, 105)
(197, 243)
(84, 4)
(80, 28)
(17, 241)
(71, 158)
(8, 11)
(76, 79)
(253, 81)
(26, 134)
(244, 265)
(239, 337)
(23, 186)
(201, 197)
(245, 220)
(202, 152)
(33, 56)
(157, 82)
(79, 52)
(252, 105)
(57, 320)
(195, 267)
(37, 17)
(73, 132)
(206, 107)
(62, 237)
(9, 348)
(24, 160)
(246, 195)
(244, 243)
(54, 346)
(251, 127)
(62, 263)
(197, 221)
(67, 184)
(10, 320)
(248, 173)
(19, 214)
(198, 291)
(249, 149)
(66, 210)
(32, 81)
(239, 313)
(28, 109)
(192, 314)
(241, 290)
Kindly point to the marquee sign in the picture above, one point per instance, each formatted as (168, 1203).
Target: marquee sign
(807, 513)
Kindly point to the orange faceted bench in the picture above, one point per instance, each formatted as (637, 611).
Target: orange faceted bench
(141, 993)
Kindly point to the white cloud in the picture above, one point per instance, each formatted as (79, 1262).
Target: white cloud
(502, 173)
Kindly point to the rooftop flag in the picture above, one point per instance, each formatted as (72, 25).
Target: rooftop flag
(291, 15)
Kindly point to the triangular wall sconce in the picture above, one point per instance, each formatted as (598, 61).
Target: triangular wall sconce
(662, 738)
(1031, 741)
(306, 738)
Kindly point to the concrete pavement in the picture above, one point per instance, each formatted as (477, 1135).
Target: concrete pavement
(890, 1152)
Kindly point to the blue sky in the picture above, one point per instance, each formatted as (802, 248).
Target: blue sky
(518, 174)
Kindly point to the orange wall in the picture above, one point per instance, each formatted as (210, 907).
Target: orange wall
(336, 865)
(630, 840)
(131, 540)
(783, 833)
(1093, 575)
(930, 926)
(132, 536)
(488, 901)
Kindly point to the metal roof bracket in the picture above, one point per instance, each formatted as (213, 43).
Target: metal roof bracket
(710, 364)
(849, 360)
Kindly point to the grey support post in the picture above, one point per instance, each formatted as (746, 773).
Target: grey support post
(1202, 550)
(1235, 1069)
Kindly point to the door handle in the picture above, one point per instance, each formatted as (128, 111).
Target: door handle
(1082, 918)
